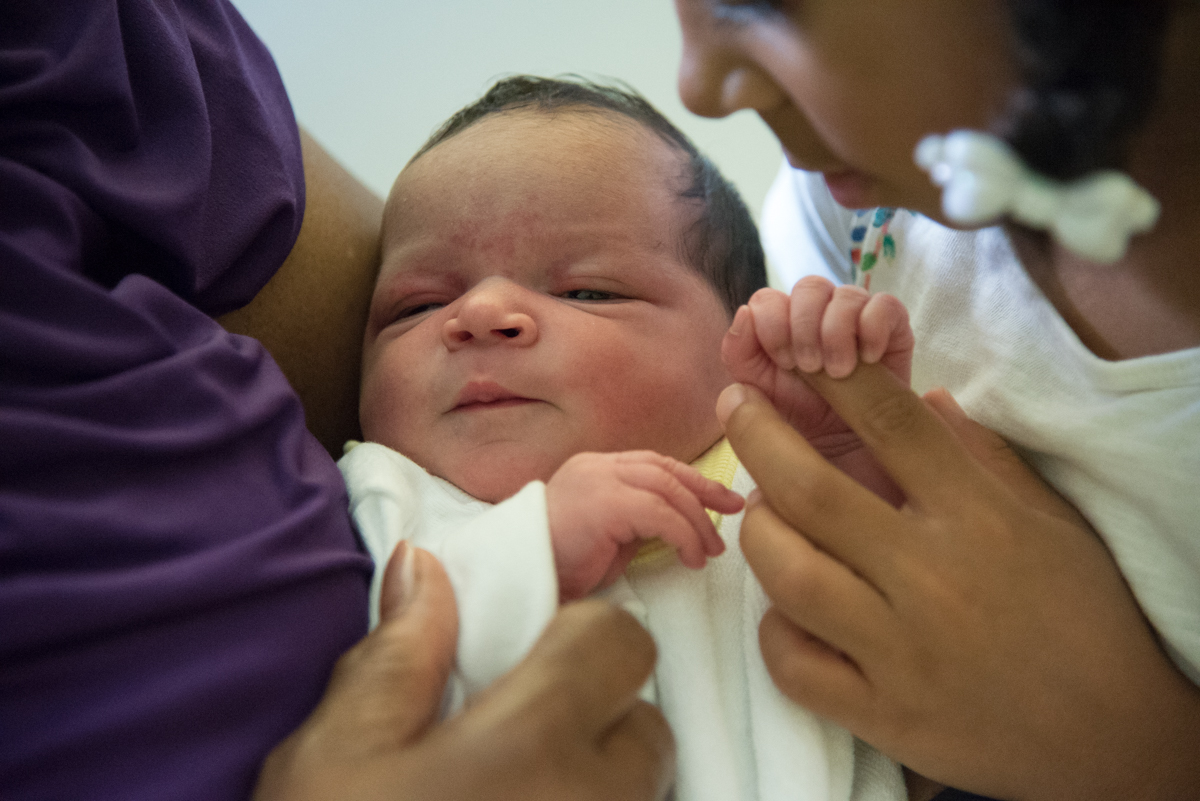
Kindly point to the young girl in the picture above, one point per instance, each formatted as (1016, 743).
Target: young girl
(984, 636)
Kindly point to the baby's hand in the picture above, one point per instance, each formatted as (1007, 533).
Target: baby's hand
(603, 505)
(830, 328)
(820, 327)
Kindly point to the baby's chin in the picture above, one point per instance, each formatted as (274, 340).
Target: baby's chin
(493, 482)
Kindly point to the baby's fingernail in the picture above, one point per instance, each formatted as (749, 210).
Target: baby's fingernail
(869, 355)
(839, 370)
(808, 359)
(731, 397)
(739, 320)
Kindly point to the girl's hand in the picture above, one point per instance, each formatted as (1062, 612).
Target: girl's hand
(603, 505)
(981, 634)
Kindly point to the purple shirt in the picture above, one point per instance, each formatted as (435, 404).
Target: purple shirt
(178, 572)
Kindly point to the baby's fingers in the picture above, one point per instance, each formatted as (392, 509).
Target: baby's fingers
(769, 308)
(743, 354)
(884, 334)
(683, 491)
(839, 330)
(810, 297)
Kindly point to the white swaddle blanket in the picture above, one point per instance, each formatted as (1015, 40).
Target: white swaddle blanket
(737, 737)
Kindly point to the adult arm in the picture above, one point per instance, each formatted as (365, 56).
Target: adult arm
(982, 634)
(564, 724)
(310, 316)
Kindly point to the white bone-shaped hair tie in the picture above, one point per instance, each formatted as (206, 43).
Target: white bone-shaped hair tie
(983, 179)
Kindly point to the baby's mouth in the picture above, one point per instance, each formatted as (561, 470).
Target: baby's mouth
(480, 395)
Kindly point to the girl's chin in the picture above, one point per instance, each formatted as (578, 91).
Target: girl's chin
(852, 189)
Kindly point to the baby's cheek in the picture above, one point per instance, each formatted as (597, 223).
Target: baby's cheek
(386, 412)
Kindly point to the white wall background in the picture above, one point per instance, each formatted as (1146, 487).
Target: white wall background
(371, 79)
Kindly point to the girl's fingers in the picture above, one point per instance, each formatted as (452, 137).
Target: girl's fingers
(912, 443)
(810, 296)
(814, 591)
(839, 330)
(838, 514)
(812, 674)
(998, 458)
(769, 308)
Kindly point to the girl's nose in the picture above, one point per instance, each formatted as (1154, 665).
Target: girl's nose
(715, 79)
(491, 313)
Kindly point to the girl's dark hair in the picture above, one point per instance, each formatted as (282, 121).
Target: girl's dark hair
(1090, 70)
(722, 245)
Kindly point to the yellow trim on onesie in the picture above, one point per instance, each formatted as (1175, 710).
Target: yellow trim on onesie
(718, 463)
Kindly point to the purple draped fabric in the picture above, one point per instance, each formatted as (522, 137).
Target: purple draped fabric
(178, 572)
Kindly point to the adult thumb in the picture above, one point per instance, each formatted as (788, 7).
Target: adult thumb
(382, 697)
(402, 666)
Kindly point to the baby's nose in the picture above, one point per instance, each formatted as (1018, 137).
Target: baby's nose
(492, 313)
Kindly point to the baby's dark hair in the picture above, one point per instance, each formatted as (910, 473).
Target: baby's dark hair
(722, 245)
(1090, 70)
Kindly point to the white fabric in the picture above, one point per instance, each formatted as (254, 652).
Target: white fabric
(737, 736)
(1121, 440)
(505, 584)
(983, 180)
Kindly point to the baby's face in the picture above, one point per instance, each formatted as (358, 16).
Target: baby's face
(533, 303)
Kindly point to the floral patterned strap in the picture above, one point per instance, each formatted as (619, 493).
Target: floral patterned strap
(871, 241)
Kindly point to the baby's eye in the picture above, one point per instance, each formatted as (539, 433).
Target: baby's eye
(420, 308)
(590, 294)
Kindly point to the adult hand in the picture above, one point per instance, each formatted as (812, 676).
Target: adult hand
(981, 634)
(564, 724)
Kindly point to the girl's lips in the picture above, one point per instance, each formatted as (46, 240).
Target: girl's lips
(851, 189)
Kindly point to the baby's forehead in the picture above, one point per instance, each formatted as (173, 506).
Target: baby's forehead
(581, 141)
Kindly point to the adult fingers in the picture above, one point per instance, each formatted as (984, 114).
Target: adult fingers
(839, 330)
(585, 671)
(382, 696)
(769, 309)
(564, 723)
(839, 515)
(639, 754)
(810, 672)
(408, 657)
(997, 457)
(912, 443)
(814, 591)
